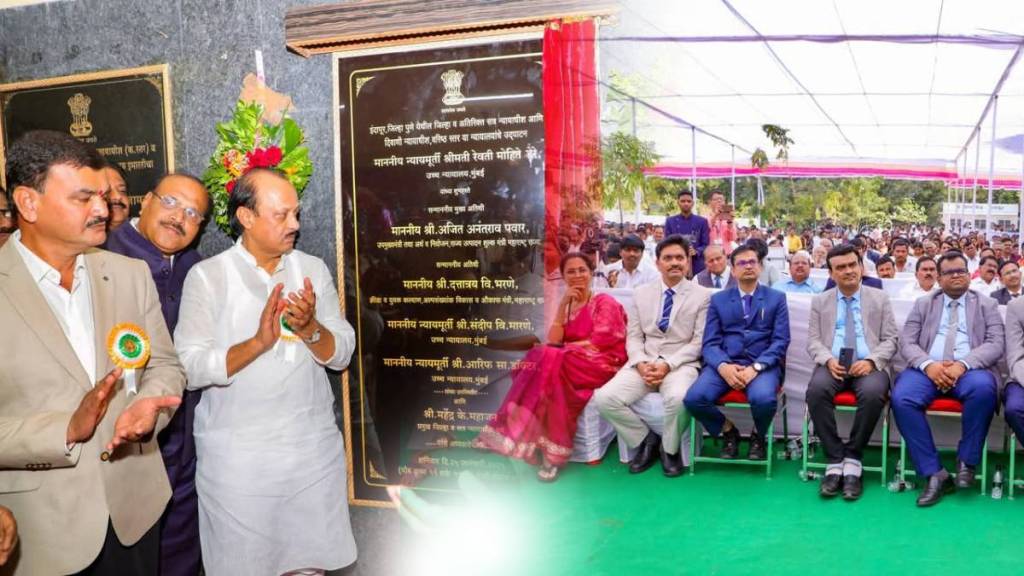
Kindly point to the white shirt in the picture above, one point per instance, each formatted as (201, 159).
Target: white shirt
(643, 274)
(972, 263)
(271, 472)
(676, 301)
(723, 277)
(914, 291)
(73, 309)
(979, 285)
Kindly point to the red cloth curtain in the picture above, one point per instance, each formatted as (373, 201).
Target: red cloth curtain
(572, 133)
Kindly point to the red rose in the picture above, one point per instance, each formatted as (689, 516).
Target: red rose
(273, 156)
(255, 158)
(230, 187)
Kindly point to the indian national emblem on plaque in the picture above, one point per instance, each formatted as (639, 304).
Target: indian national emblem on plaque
(80, 125)
(452, 80)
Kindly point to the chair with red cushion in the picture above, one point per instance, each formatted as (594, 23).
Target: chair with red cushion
(845, 401)
(949, 408)
(738, 399)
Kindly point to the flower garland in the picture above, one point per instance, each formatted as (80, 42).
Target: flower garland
(247, 141)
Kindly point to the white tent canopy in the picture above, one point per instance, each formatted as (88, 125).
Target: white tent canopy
(906, 82)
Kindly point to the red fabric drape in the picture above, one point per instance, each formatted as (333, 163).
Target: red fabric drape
(572, 136)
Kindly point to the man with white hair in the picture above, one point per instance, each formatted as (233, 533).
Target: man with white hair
(799, 275)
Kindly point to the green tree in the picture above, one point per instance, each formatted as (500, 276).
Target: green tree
(906, 211)
(624, 158)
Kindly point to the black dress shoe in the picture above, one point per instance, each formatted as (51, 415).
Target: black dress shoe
(831, 485)
(935, 490)
(672, 464)
(852, 487)
(964, 476)
(646, 455)
(730, 444)
(757, 448)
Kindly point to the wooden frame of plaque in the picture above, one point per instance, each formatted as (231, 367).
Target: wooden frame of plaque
(83, 116)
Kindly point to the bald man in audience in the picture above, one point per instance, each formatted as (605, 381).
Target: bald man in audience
(716, 273)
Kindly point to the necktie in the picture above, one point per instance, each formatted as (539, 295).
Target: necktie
(850, 335)
(748, 302)
(951, 330)
(718, 281)
(666, 310)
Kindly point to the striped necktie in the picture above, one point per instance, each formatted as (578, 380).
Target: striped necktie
(666, 310)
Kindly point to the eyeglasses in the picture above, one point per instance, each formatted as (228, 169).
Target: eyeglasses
(955, 272)
(170, 203)
(746, 263)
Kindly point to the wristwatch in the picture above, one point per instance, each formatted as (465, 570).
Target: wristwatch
(758, 367)
(313, 338)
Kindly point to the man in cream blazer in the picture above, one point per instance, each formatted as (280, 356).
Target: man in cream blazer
(666, 326)
(80, 467)
(860, 319)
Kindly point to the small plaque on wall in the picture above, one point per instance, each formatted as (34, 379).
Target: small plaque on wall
(125, 114)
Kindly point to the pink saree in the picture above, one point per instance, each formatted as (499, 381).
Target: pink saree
(540, 411)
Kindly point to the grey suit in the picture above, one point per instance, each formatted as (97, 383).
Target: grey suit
(977, 388)
(705, 279)
(679, 347)
(1013, 394)
(984, 324)
(872, 389)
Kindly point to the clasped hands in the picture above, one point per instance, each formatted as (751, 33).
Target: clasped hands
(299, 310)
(858, 369)
(736, 376)
(135, 423)
(945, 373)
(653, 373)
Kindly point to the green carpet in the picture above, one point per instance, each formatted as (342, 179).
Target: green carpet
(600, 519)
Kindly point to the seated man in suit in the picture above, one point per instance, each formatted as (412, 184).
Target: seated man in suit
(951, 342)
(1013, 394)
(852, 337)
(663, 340)
(1009, 275)
(745, 342)
(716, 273)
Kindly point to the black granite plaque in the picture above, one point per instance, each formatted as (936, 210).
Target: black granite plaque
(125, 115)
(442, 215)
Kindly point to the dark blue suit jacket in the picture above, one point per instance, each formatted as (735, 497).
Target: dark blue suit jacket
(865, 280)
(764, 337)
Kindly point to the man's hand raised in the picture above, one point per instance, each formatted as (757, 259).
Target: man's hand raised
(139, 419)
(270, 320)
(92, 408)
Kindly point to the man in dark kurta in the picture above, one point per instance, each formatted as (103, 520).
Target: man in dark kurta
(162, 236)
(692, 227)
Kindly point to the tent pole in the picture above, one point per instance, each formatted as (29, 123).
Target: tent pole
(732, 182)
(991, 169)
(974, 192)
(693, 164)
(1020, 208)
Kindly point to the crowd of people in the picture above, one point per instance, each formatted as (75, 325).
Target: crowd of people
(708, 314)
(109, 462)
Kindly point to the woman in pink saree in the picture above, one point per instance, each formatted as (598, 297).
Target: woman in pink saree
(586, 346)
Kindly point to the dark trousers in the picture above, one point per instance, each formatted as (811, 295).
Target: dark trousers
(702, 398)
(872, 390)
(1013, 396)
(914, 391)
(180, 553)
(116, 559)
